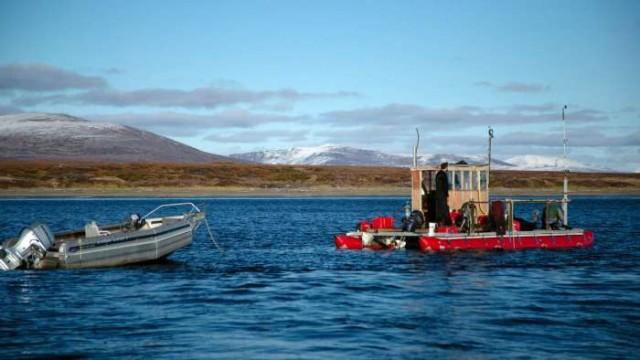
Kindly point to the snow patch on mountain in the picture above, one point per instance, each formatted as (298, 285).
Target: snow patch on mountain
(43, 136)
(327, 154)
(345, 155)
(54, 125)
(550, 163)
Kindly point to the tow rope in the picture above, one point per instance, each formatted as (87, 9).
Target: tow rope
(211, 236)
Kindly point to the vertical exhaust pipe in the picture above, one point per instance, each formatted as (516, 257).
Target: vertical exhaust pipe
(415, 149)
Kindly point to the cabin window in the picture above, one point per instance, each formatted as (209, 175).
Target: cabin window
(450, 179)
(474, 180)
(456, 180)
(426, 184)
(466, 180)
(483, 180)
(432, 180)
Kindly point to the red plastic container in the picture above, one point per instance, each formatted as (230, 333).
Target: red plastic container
(454, 215)
(516, 225)
(382, 222)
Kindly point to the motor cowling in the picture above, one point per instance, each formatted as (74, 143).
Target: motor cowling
(29, 249)
(414, 221)
(134, 221)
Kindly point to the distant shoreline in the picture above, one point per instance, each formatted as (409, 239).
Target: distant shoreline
(61, 179)
(160, 192)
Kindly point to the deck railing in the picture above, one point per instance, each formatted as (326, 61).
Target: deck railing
(193, 207)
(510, 209)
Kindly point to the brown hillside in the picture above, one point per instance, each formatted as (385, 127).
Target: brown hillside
(62, 175)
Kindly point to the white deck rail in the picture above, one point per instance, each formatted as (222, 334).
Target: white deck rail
(193, 207)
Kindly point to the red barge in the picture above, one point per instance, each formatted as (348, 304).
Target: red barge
(451, 210)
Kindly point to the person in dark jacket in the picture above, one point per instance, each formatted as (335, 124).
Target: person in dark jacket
(442, 196)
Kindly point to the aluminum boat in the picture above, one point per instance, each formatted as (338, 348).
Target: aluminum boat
(138, 239)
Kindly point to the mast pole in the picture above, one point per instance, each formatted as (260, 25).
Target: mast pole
(565, 185)
(489, 156)
(415, 149)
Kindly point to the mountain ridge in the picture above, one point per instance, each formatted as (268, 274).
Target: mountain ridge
(330, 154)
(49, 136)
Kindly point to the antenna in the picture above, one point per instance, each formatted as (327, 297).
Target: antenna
(490, 138)
(564, 139)
(415, 149)
(489, 156)
(565, 183)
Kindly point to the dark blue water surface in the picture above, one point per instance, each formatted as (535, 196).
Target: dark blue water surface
(281, 290)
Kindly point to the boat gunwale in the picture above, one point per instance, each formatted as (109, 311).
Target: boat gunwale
(122, 237)
(452, 236)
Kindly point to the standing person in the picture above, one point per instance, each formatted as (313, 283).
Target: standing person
(442, 196)
(554, 218)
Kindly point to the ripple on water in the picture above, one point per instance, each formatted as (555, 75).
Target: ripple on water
(281, 290)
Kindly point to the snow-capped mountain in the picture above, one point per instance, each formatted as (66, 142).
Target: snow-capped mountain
(345, 155)
(42, 136)
(436, 159)
(324, 155)
(550, 163)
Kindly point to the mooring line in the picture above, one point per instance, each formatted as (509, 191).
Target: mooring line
(211, 236)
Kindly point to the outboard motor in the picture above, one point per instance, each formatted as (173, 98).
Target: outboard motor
(29, 249)
(134, 221)
(414, 221)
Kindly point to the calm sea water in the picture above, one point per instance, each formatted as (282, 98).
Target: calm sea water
(281, 290)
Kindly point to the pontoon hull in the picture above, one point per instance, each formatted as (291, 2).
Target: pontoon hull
(557, 239)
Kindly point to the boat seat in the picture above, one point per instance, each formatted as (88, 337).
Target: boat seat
(92, 230)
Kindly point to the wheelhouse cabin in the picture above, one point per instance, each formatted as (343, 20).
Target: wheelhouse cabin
(466, 183)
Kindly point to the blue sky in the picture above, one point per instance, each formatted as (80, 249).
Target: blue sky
(239, 76)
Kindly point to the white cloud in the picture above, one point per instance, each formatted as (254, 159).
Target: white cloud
(43, 77)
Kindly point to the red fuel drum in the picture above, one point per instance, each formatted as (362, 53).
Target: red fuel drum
(382, 222)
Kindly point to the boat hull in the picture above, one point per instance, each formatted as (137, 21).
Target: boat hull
(557, 239)
(121, 249)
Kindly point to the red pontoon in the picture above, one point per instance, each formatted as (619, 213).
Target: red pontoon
(451, 210)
